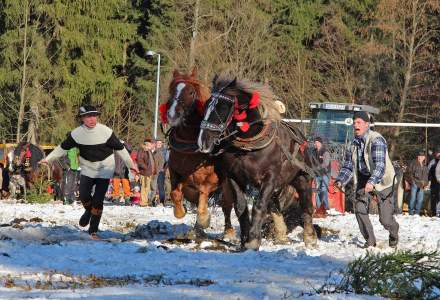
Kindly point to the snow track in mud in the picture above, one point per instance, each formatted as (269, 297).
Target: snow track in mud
(145, 253)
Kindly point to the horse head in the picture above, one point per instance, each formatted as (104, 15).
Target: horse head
(187, 98)
(232, 110)
(25, 156)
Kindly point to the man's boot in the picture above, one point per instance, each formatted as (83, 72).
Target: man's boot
(393, 241)
(85, 218)
(94, 224)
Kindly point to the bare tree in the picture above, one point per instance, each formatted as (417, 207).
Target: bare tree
(412, 37)
(25, 55)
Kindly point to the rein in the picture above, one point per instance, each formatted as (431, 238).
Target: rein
(233, 133)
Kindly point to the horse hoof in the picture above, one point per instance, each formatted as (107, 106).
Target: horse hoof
(179, 211)
(281, 240)
(203, 220)
(252, 245)
(197, 233)
(229, 234)
(310, 241)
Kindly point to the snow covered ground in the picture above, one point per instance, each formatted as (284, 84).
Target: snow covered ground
(45, 255)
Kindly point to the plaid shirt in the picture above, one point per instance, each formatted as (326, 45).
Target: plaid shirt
(378, 152)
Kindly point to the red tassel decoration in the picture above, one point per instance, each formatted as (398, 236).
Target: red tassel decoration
(240, 116)
(200, 107)
(255, 100)
(163, 112)
(244, 126)
(28, 153)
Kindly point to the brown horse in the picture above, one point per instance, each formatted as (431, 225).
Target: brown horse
(260, 150)
(192, 173)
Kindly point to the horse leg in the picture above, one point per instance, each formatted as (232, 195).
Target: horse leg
(303, 187)
(203, 216)
(280, 228)
(241, 210)
(227, 203)
(259, 211)
(280, 205)
(177, 198)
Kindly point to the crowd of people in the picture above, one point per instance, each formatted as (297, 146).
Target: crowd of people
(148, 187)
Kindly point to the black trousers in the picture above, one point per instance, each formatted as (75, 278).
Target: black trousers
(93, 199)
(386, 210)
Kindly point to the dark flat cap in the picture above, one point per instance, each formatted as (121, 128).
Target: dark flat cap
(361, 115)
(318, 139)
(85, 110)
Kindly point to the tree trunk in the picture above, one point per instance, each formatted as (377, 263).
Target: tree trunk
(23, 78)
(408, 75)
(32, 136)
(192, 49)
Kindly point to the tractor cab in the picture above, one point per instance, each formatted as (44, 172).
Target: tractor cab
(332, 122)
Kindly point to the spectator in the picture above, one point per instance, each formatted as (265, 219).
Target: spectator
(435, 183)
(69, 186)
(322, 181)
(147, 169)
(160, 157)
(5, 181)
(136, 190)
(417, 176)
(120, 177)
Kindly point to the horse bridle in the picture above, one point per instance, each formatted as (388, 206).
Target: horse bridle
(215, 97)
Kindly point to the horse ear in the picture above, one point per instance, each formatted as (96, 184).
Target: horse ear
(194, 72)
(214, 79)
(176, 73)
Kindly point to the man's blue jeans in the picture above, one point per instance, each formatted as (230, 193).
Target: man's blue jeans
(417, 197)
(321, 191)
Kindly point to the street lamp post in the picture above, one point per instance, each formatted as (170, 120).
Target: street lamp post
(156, 108)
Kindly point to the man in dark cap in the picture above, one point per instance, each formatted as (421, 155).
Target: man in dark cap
(417, 177)
(435, 182)
(322, 181)
(96, 143)
(368, 163)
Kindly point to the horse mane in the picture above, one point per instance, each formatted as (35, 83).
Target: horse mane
(268, 107)
(203, 91)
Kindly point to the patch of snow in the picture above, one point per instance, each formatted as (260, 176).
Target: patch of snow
(145, 253)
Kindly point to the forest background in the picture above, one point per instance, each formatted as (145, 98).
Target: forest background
(58, 54)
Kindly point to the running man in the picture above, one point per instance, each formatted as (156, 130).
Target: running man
(96, 143)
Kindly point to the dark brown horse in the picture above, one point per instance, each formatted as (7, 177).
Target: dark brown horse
(192, 173)
(23, 160)
(261, 151)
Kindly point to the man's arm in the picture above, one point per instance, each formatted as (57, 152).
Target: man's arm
(325, 160)
(126, 158)
(61, 150)
(346, 171)
(437, 172)
(378, 156)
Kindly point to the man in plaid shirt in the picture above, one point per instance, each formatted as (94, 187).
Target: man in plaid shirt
(368, 163)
